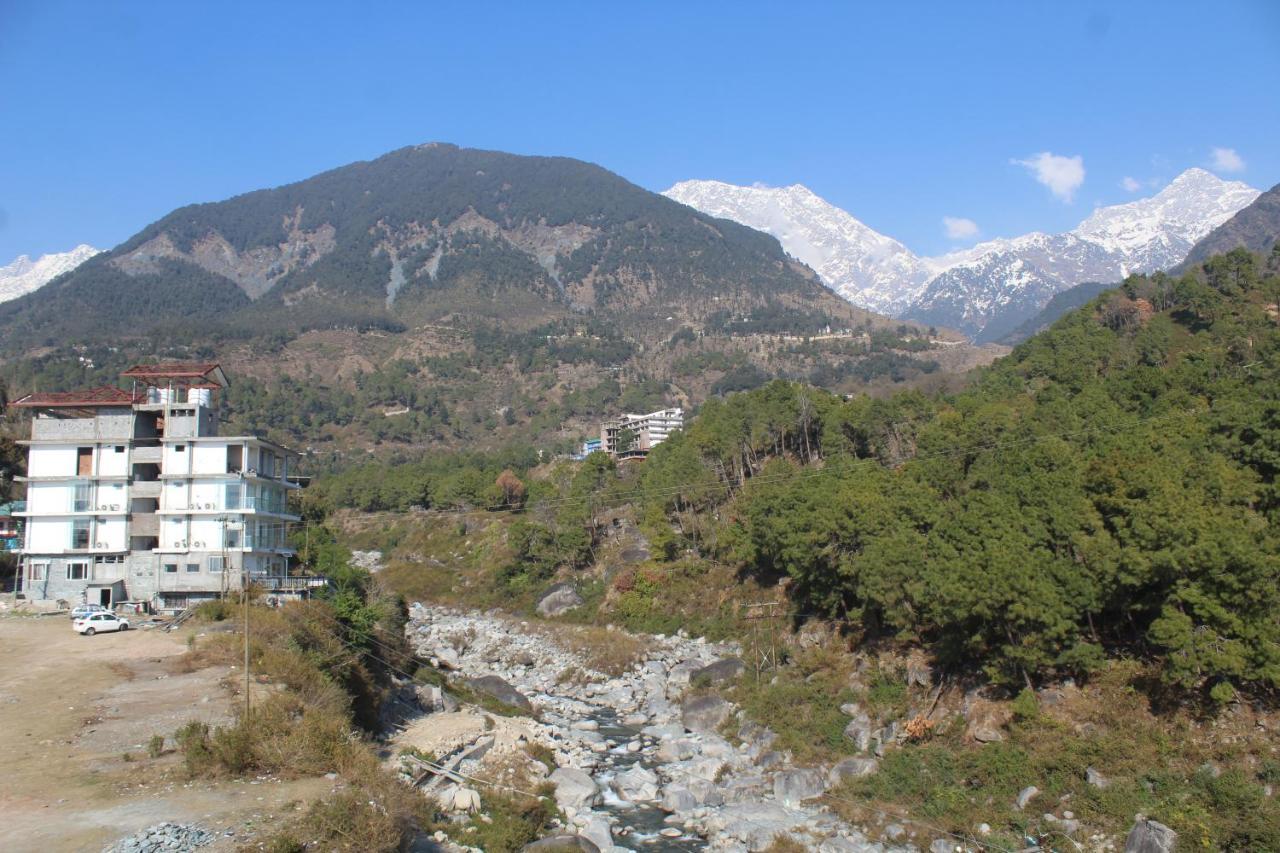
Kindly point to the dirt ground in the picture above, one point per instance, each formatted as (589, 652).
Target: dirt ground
(76, 715)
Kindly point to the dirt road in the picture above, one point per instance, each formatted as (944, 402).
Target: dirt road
(76, 715)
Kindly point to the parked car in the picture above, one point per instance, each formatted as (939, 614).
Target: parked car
(100, 622)
(86, 609)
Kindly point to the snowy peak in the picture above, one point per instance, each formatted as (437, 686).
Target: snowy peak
(25, 275)
(862, 265)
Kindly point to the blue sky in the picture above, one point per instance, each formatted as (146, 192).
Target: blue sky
(901, 113)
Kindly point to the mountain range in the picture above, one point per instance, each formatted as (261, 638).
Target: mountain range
(24, 275)
(989, 289)
(428, 232)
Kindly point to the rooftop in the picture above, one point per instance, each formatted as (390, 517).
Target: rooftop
(91, 398)
(206, 372)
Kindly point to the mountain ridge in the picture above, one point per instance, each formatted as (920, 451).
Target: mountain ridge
(990, 288)
(23, 275)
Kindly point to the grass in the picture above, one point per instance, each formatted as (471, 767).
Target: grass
(1153, 764)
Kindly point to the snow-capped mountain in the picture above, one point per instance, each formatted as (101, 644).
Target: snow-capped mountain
(25, 275)
(989, 289)
(862, 265)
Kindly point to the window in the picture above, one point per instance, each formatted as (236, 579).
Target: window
(170, 568)
(119, 448)
(216, 564)
(235, 458)
(233, 539)
(82, 500)
(179, 448)
(80, 534)
(84, 461)
(232, 496)
(77, 571)
(193, 568)
(37, 571)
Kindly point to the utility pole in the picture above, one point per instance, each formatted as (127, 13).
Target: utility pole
(244, 583)
(764, 644)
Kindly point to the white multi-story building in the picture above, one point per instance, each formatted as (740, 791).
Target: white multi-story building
(646, 432)
(133, 496)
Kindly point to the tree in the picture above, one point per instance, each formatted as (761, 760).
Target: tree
(511, 488)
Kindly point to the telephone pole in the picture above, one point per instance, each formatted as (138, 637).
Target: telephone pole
(244, 583)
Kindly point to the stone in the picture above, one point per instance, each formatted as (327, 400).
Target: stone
(677, 799)
(859, 731)
(755, 824)
(725, 669)
(558, 600)
(574, 788)
(1096, 779)
(705, 792)
(705, 713)
(851, 709)
(943, 845)
(1149, 836)
(895, 832)
(447, 657)
(985, 734)
(678, 749)
(791, 787)
(562, 844)
(597, 830)
(636, 785)
(1025, 796)
(851, 768)
(501, 690)
(433, 699)
(466, 800)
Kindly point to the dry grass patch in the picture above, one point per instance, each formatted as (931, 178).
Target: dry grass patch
(608, 650)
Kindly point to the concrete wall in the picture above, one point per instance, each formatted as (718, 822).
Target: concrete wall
(51, 461)
(113, 460)
(210, 458)
(109, 424)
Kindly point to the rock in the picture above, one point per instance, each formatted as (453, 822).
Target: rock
(984, 720)
(636, 785)
(859, 731)
(725, 669)
(466, 800)
(790, 787)
(677, 799)
(434, 699)
(598, 832)
(1096, 779)
(705, 792)
(501, 690)
(523, 658)
(447, 657)
(894, 832)
(574, 788)
(851, 768)
(984, 829)
(1025, 796)
(943, 845)
(919, 674)
(163, 837)
(670, 832)
(851, 709)
(1148, 836)
(755, 824)
(562, 844)
(984, 734)
(705, 713)
(677, 749)
(678, 676)
(558, 600)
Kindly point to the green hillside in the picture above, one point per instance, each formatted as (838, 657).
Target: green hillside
(419, 234)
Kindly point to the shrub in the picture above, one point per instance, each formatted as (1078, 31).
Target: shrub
(155, 746)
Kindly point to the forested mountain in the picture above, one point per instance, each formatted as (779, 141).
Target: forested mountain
(1061, 303)
(1255, 228)
(419, 234)
(1110, 487)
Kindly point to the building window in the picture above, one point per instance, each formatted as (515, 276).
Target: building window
(84, 461)
(179, 448)
(80, 534)
(216, 564)
(232, 539)
(77, 571)
(232, 497)
(82, 500)
(193, 568)
(170, 568)
(119, 448)
(37, 571)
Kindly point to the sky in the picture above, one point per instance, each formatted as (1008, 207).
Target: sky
(939, 124)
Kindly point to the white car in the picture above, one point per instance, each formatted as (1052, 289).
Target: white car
(86, 610)
(96, 623)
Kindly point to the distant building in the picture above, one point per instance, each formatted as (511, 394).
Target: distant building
(11, 525)
(133, 496)
(591, 445)
(633, 436)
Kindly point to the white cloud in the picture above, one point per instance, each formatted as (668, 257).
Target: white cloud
(1227, 160)
(1062, 175)
(1131, 184)
(959, 228)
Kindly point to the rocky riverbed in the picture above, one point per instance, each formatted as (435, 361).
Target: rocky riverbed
(640, 760)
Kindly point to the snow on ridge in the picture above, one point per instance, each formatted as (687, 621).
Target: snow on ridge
(24, 275)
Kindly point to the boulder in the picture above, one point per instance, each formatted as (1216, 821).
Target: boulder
(562, 844)
(501, 690)
(676, 749)
(790, 787)
(466, 800)
(725, 669)
(598, 832)
(1148, 836)
(447, 657)
(755, 824)
(636, 785)
(859, 731)
(433, 699)
(574, 788)
(558, 600)
(705, 713)
(1026, 795)
(1096, 779)
(943, 845)
(677, 799)
(851, 768)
